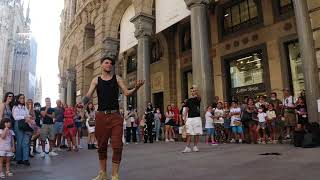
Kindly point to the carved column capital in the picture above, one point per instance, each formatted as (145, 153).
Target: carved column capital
(193, 3)
(71, 75)
(111, 46)
(143, 24)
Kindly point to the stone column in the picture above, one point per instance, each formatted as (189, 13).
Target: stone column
(201, 63)
(144, 30)
(124, 76)
(309, 62)
(63, 86)
(111, 47)
(71, 77)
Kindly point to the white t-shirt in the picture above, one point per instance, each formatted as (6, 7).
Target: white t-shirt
(289, 101)
(235, 117)
(218, 112)
(5, 144)
(262, 117)
(209, 120)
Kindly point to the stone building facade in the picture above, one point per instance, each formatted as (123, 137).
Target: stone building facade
(230, 49)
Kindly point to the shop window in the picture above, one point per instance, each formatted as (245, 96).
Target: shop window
(247, 70)
(131, 64)
(240, 15)
(185, 37)
(294, 60)
(283, 9)
(89, 35)
(157, 51)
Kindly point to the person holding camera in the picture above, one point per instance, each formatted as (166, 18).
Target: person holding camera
(131, 125)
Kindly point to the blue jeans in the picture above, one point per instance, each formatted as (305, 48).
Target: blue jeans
(23, 143)
(157, 124)
(138, 134)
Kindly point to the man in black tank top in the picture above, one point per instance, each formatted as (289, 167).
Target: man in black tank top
(109, 123)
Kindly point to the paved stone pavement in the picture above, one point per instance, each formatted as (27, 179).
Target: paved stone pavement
(161, 161)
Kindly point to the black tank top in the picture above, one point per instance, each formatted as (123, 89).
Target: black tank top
(108, 92)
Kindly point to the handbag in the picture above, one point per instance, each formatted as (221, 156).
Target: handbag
(23, 126)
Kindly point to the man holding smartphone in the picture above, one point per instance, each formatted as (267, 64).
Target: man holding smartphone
(193, 122)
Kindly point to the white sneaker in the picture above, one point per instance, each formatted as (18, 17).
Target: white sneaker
(195, 149)
(167, 140)
(42, 155)
(157, 140)
(53, 153)
(80, 147)
(240, 141)
(171, 140)
(233, 141)
(186, 150)
(127, 143)
(2, 176)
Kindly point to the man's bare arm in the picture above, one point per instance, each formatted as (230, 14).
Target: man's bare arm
(90, 92)
(124, 88)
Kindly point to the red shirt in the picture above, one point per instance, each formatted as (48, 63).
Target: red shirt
(176, 114)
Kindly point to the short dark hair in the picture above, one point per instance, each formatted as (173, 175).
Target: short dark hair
(3, 121)
(108, 56)
(274, 93)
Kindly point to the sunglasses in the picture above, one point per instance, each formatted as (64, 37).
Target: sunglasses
(10, 96)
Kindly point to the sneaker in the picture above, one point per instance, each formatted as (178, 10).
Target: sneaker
(240, 141)
(167, 140)
(101, 176)
(288, 136)
(195, 149)
(80, 147)
(157, 140)
(2, 175)
(186, 150)
(53, 153)
(232, 141)
(42, 155)
(214, 143)
(263, 142)
(27, 163)
(9, 174)
(171, 140)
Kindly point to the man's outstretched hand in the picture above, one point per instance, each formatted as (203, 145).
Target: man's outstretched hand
(139, 84)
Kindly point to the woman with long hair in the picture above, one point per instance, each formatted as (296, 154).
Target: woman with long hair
(90, 123)
(20, 113)
(6, 106)
(169, 123)
(79, 118)
(34, 126)
(69, 129)
(248, 117)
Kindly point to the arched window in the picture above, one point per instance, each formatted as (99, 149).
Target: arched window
(89, 35)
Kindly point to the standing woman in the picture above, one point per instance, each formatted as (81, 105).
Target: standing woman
(36, 133)
(157, 122)
(227, 121)
(169, 123)
(69, 129)
(20, 113)
(79, 117)
(249, 114)
(6, 106)
(91, 125)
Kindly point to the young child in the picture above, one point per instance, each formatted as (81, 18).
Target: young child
(209, 126)
(236, 124)
(218, 123)
(262, 116)
(271, 122)
(7, 147)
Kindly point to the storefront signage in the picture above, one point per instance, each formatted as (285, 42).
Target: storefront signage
(169, 12)
(248, 89)
(127, 38)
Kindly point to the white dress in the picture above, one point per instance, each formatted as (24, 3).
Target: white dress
(91, 129)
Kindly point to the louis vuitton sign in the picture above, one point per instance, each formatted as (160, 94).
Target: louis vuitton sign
(248, 89)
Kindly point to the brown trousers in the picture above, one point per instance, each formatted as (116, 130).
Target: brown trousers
(109, 126)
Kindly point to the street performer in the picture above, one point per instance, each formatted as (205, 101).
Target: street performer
(109, 123)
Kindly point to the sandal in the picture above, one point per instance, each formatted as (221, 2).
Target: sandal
(9, 174)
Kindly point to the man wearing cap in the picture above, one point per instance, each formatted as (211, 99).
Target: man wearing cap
(109, 122)
(193, 122)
